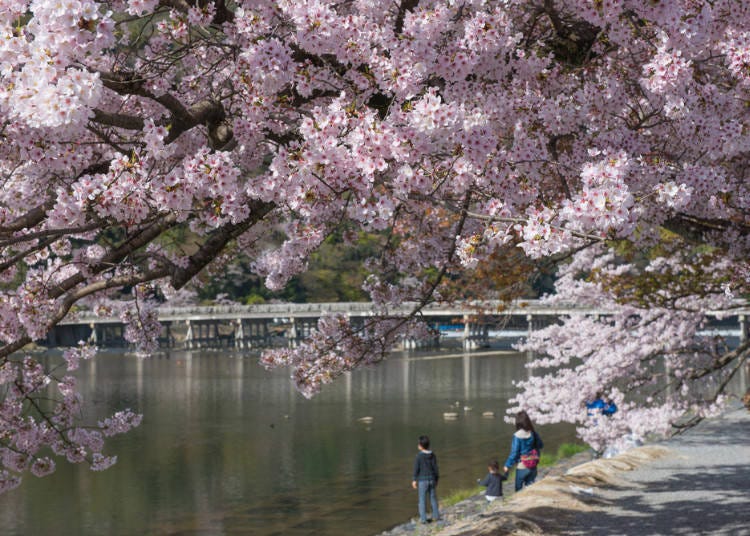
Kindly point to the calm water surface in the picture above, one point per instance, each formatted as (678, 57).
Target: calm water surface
(229, 448)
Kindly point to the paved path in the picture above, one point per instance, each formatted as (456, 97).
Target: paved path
(702, 489)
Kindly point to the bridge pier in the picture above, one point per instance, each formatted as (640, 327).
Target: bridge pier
(742, 320)
(166, 339)
(300, 329)
(108, 335)
(415, 343)
(239, 334)
(252, 333)
(468, 344)
(292, 335)
(529, 324)
(189, 335)
(475, 335)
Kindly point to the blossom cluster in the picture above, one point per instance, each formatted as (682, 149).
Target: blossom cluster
(28, 442)
(142, 326)
(651, 361)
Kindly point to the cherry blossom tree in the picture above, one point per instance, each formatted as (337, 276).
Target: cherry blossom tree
(145, 141)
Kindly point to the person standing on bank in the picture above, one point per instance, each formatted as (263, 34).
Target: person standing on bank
(425, 479)
(525, 449)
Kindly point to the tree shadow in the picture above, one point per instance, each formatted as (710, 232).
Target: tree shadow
(703, 502)
(729, 431)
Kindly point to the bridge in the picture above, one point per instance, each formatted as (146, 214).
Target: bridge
(474, 324)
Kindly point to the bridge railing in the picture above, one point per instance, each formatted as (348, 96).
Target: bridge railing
(311, 310)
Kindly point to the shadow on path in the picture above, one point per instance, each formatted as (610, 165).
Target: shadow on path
(700, 503)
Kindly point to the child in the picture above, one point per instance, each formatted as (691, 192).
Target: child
(493, 481)
(425, 479)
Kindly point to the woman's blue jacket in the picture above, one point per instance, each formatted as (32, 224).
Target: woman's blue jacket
(523, 442)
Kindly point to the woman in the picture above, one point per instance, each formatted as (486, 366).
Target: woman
(525, 450)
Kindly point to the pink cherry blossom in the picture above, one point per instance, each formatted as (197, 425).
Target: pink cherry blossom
(609, 138)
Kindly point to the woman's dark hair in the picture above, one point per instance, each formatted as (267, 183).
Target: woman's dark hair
(523, 421)
(424, 442)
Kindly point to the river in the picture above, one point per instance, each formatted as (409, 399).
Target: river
(227, 447)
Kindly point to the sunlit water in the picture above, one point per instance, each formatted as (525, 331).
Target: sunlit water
(229, 448)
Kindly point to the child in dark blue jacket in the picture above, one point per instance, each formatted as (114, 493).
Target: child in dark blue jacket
(425, 478)
(525, 450)
(493, 481)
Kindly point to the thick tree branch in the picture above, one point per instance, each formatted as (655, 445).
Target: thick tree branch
(180, 276)
(223, 13)
(128, 122)
(105, 284)
(694, 229)
(216, 242)
(29, 219)
(179, 5)
(206, 112)
(209, 113)
(113, 258)
(117, 255)
(552, 147)
(98, 286)
(403, 7)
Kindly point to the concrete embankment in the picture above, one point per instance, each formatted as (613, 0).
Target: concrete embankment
(694, 484)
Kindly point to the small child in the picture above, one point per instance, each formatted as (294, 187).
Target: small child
(425, 479)
(493, 481)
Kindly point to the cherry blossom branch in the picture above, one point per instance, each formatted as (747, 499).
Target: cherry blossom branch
(47, 233)
(517, 220)
(28, 219)
(682, 427)
(371, 355)
(113, 258)
(73, 297)
(740, 352)
(15, 259)
(216, 242)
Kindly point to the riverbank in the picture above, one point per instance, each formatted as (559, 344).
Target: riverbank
(476, 509)
(694, 484)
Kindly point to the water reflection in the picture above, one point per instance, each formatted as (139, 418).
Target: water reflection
(227, 447)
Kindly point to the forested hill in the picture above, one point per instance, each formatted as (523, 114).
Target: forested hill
(337, 271)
